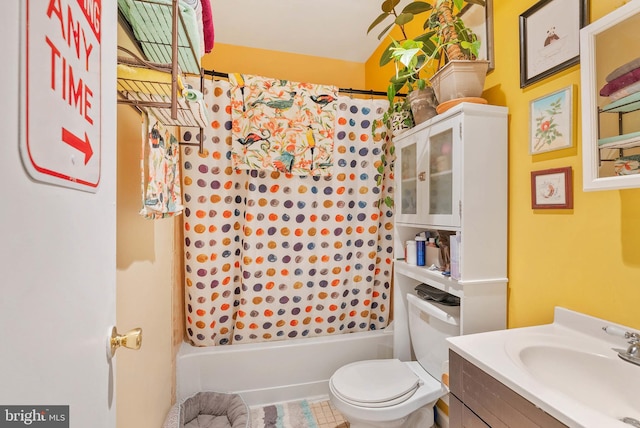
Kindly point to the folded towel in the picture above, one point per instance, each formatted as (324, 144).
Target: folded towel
(627, 165)
(149, 21)
(197, 6)
(633, 88)
(625, 104)
(623, 69)
(207, 22)
(620, 82)
(128, 74)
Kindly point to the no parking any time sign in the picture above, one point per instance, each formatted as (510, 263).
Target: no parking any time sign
(61, 92)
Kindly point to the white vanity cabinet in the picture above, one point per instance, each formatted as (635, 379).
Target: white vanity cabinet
(451, 175)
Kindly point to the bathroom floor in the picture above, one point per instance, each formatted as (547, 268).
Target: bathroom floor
(328, 416)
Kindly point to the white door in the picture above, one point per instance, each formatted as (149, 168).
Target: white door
(57, 259)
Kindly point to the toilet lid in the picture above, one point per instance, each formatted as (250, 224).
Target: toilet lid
(375, 383)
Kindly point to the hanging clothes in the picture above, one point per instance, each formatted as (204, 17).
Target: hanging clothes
(272, 256)
(160, 171)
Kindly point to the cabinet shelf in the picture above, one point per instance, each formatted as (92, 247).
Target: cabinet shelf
(623, 105)
(166, 32)
(441, 173)
(622, 141)
(148, 86)
(432, 277)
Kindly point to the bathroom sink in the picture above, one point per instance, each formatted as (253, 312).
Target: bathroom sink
(583, 369)
(568, 368)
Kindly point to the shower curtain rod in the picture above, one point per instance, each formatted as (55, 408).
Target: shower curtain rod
(343, 90)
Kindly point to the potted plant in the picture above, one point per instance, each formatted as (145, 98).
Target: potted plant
(446, 41)
(399, 116)
(410, 56)
(460, 74)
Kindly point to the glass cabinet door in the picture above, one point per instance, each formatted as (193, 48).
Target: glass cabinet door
(409, 177)
(443, 194)
(428, 178)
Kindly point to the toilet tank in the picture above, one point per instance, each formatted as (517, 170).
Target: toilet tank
(430, 324)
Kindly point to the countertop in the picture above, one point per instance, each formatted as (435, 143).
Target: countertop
(494, 353)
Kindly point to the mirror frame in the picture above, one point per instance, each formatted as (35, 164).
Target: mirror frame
(590, 95)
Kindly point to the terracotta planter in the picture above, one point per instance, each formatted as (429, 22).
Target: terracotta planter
(460, 79)
(423, 104)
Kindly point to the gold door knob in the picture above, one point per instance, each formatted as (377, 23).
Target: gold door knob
(131, 339)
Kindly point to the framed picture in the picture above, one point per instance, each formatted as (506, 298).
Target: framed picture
(552, 188)
(479, 19)
(550, 38)
(551, 121)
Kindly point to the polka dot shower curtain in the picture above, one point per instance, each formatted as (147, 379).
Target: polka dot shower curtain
(272, 256)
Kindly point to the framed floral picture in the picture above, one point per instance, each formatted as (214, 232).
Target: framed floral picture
(551, 122)
(552, 188)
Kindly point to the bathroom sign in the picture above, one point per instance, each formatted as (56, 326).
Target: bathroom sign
(61, 92)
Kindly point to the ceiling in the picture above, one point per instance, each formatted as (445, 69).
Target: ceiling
(325, 28)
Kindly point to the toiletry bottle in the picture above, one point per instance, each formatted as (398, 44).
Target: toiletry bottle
(411, 253)
(421, 248)
(432, 253)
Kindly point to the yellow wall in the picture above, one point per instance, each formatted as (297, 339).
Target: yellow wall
(299, 68)
(145, 287)
(586, 259)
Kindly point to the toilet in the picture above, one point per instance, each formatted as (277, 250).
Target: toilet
(391, 393)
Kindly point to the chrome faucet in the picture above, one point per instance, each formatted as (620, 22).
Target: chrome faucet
(632, 353)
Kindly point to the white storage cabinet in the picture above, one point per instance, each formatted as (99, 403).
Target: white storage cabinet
(451, 174)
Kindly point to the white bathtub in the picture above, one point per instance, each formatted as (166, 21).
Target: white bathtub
(271, 372)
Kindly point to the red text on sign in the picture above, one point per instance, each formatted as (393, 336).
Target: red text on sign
(72, 89)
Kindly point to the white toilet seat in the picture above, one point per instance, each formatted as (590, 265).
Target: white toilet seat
(375, 383)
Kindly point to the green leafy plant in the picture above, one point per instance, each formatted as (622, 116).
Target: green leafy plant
(409, 53)
(445, 37)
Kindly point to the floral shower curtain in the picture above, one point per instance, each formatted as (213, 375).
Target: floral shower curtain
(271, 256)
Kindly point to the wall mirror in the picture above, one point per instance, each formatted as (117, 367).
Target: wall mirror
(610, 90)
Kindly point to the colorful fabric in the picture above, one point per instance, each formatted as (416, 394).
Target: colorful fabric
(627, 165)
(272, 256)
(161, 194)
(282, 126)
(296, 414)
(633, 88)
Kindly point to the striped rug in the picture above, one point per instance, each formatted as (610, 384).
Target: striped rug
(296, 414)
